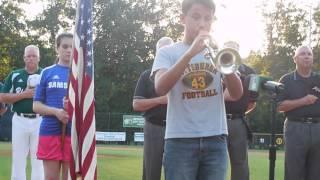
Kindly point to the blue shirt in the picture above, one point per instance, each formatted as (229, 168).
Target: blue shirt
(51, 90)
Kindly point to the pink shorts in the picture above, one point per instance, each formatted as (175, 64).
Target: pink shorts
(50, 148)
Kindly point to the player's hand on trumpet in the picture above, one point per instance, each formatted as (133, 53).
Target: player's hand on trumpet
(199, 43)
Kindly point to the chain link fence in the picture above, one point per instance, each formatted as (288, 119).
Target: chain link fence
(114, 122)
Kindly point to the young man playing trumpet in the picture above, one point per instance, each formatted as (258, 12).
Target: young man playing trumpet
(196, 129)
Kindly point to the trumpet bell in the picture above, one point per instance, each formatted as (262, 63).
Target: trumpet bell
(228, 61)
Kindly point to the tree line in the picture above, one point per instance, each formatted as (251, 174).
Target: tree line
(125, 34)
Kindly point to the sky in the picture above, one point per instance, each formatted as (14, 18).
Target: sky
(242, 21)
(238, 20)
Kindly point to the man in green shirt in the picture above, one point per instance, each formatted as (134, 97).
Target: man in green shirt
(25, 123)
(3, 107)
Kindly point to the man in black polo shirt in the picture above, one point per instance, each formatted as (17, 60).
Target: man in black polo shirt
(154, 110)
(301, 105)
(238, 128)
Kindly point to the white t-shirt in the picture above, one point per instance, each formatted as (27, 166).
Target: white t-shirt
(196, 105)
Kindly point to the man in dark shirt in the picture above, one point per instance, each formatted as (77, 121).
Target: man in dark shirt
(238, 128)
(154, 110)
(301, 105)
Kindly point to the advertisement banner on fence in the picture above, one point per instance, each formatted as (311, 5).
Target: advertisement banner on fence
(138, 137)
(110, 136)
(133, 121)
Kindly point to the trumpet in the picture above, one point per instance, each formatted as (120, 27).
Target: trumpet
(226, 60)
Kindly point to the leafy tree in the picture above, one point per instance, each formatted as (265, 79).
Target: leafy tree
(316, 37)
(126, 34)
(11, 42)
(58, 15)
(286, 30)
(17, 31)
(258, 63)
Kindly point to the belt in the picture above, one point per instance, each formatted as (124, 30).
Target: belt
(235, 116)
(305, 119)
(27, 115)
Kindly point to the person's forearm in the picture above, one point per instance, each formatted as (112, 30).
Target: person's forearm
(145, 104)
(10, 98)
(43, 109)
(234, 86)
(166, 79)
(288, 105)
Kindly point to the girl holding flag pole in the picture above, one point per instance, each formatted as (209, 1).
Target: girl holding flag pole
(54, 144)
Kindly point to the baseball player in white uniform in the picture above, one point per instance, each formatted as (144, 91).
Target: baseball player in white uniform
(18, 90)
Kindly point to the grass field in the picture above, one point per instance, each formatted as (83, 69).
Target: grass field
(124, 163)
